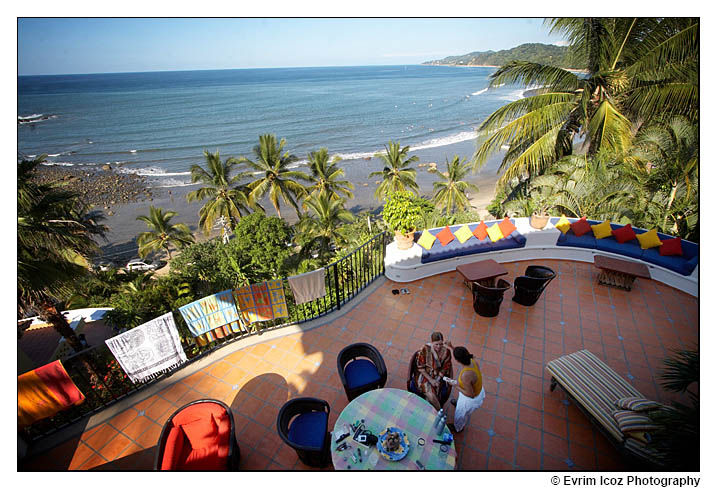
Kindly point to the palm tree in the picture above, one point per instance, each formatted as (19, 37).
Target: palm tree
(450, 191)
(637, 69)
(326, 174)
(278, 181)
(320, 229)
(670, 153)
(55, 240)
(225, 198)
(162, 234)
(396, 175)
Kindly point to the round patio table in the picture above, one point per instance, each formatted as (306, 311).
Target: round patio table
(390, 407)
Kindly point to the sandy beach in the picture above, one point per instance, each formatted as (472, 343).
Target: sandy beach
(124, 226)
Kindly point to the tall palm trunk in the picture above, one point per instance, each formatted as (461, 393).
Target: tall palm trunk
(50, 314)
(674, 189)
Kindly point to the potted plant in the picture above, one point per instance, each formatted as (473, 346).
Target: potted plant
(401, 213)
(539, 215)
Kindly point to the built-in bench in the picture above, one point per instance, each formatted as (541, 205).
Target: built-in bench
(547, 243)
(683, 265)
(471, 246)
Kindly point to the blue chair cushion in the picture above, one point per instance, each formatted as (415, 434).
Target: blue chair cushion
(309, 429)
(360, 372)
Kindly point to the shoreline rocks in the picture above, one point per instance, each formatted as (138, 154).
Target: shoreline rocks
(97, 187)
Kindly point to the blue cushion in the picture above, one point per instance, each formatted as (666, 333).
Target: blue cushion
(309, 429)
(360, 372)
(471, 246)
(631, 248)
(587, 240)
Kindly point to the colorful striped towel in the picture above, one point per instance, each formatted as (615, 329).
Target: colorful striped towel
(261, 302)
(43, 392)
(149, 349)
(212, 313)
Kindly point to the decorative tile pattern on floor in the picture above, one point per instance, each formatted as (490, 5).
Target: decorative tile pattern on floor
(521, 426)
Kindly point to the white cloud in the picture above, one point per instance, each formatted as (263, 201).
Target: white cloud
(561, 43)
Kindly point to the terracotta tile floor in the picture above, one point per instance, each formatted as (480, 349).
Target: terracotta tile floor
(521, 426)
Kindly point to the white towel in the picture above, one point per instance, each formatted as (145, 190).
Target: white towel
(308, 286)
(148, 349)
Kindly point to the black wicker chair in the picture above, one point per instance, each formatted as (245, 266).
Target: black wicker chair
(444, 388)
(302, 424)
(528, 288)
(179, 441)
(487, 299)
(361, 368)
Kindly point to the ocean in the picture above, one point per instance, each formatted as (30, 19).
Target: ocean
(158, 124)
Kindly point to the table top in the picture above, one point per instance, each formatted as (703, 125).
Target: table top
(390, 407)
(619, 265)
(483, 269)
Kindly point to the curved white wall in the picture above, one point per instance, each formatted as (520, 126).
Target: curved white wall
(406, 266)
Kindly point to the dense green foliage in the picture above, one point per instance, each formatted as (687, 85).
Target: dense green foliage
(396, 175)
(450, 192)
(162, 234)
(401, 211)
(547, 54)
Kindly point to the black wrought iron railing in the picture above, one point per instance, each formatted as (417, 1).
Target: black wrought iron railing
(100, 378)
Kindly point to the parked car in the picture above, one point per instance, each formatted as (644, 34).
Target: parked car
(140, 265)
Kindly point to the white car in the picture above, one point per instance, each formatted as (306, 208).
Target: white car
(140, 265)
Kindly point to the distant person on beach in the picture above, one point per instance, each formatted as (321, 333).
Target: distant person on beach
(471, 389)
(432, 364)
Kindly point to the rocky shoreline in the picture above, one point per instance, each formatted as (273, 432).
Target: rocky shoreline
(101, 187)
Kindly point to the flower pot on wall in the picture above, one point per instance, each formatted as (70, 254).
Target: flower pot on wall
(404, 241)
(538, 222)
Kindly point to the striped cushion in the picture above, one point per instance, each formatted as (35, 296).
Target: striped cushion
(594, 385)
(630, 421)
(636, 404)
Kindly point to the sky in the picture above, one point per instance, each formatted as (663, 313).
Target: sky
(48, 46)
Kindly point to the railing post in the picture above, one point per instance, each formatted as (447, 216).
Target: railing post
(336, 286)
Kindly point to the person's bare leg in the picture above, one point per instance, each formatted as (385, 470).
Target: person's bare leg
(431, 398)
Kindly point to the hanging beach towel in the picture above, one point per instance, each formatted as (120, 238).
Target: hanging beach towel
(213, 316)
(151, 348)
(308, 287)
(43, 392)
(261, 302)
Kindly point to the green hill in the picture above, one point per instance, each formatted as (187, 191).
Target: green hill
(549, 54)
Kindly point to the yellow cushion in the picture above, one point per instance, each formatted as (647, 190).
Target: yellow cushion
(649, 239)
(495, 233)
(426, 240)
(602, 230)
(463, 233)
(563, 224)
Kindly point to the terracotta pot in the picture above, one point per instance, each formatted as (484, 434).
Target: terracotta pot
(538, 222)
(404, 241)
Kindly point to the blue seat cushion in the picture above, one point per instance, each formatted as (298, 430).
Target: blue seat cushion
(309, 429)
(360, 372)
(471, 246)
(631, 248)
(587, 240)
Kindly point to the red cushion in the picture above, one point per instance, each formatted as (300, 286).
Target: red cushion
(198, 411)
(173, 449)
(480, 230)
(201, 432)
(506, 227)
(624, 233)
(445, 236)
(580, 227)
(204, 459)
(671, 246)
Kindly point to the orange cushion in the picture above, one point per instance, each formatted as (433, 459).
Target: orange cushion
(480, 230)
(173, 449)
(671, 246)
(506, 227)
(580, 227)
(445, 236)
(201, 432)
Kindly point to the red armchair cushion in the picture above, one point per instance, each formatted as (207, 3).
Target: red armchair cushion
(201, 432)
(624, 233)
(173, 449)
(580, 227)
(445, 236)
(506, 227)
(671, 246)
(480, 230)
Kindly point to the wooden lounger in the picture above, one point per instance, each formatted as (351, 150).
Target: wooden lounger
(594, 388)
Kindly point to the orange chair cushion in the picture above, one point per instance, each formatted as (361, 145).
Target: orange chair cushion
(445, 236)
(205, 438)
(173, 449)
(480, 230)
